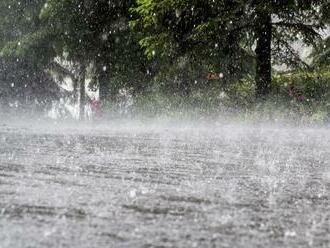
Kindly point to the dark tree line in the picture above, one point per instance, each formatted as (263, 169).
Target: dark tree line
(131, 44)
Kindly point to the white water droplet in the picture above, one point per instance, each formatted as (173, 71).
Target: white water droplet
(132, 193)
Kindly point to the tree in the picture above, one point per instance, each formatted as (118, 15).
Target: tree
(173, 27)
(85, 33)
(95, 32)
(177, 31)
(321, 52)
(22, 75)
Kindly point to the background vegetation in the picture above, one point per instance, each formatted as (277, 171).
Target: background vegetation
(172, 57)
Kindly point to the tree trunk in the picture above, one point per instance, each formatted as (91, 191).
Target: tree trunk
(231, 51)
(82, 100)
(184, 86)
(75, 90)
(263, 56)
(103, 83)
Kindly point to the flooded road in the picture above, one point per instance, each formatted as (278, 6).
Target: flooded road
(225, 186)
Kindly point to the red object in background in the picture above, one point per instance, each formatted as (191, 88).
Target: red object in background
(96, 108)
(293, 93)
(301, 98)
(213, 76)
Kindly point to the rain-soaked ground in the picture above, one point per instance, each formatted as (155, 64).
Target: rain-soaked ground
(175, 186)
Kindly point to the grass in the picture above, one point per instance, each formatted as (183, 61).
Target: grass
(310, 102)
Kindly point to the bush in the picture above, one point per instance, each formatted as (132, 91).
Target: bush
(313, 86)
(296, 96)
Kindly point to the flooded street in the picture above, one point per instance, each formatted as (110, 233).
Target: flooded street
(148, 186)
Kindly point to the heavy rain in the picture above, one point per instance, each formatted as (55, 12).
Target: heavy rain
(156, 123)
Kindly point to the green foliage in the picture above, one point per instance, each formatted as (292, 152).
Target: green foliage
(237, 100)
(35, 46)
(321, 53)
(222, 34)
(97, 31)
(22, 33)
(79, 31)
(313, 86)
(182, 40)
(24, 52)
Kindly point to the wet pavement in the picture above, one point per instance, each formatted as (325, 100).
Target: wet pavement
(178, 186)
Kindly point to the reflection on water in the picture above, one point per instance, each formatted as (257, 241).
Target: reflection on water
(229, 186)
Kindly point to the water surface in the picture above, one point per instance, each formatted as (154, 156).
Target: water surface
(175, 186)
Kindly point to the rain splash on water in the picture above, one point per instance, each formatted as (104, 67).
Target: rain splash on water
(132, 184)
